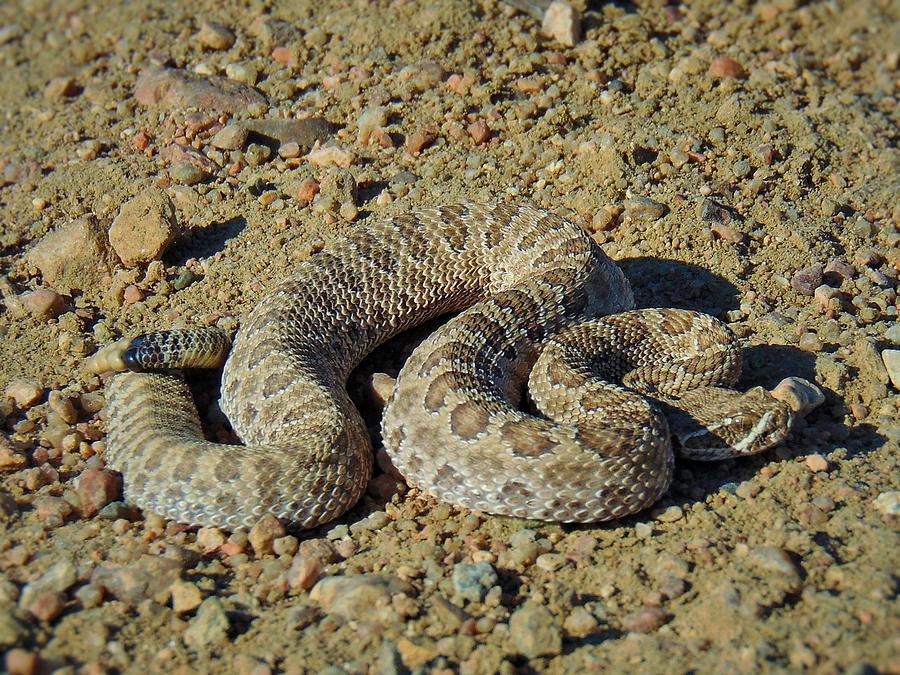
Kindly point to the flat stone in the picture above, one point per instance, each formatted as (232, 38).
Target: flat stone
(24, 393)
(303, 132)
(76, 256)
(144, 228)
(645, 620)
(533, 632)
(173, 88)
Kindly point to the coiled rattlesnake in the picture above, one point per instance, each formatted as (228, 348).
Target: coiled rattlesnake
(540, 304)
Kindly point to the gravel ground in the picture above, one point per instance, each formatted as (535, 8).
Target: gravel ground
(161, 164)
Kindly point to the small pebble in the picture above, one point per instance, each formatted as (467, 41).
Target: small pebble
(187, 173)
(19, 661)
(210, 625)
(580, 623)
(534, 633)
(776, 560)
(214, 35)
(817, 463)
(726, 67)
(97, 488)
(479, 132)
(132, 294)
(806, 280)
(419, 140)
(231, 137)
(645, 620)
(891, 359)
(186, 597)
(644, 209)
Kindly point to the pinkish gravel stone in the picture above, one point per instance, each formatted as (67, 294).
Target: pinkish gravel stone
(173, 88)
(44, 304)
(97, 488)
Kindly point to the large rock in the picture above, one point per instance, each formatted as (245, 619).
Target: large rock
(76, 256)
(173, 88)
(145, 227)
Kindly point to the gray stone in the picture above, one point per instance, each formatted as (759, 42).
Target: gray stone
(303, 132)
(209, 627)
(473, 581)
(58, 579)
(645, 209)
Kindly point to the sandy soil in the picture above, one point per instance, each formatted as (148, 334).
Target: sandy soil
(764, 136)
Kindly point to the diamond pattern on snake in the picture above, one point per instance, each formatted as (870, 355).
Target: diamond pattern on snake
(539, 309)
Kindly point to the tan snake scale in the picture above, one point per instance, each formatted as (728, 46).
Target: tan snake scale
(530, 289)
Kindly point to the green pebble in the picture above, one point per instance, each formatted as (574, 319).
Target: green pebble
(183, 280)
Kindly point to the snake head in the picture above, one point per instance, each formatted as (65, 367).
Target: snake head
(713, 423)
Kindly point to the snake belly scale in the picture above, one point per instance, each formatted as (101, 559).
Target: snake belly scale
(538, 304)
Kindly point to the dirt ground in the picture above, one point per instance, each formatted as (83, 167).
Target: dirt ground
(737, 158)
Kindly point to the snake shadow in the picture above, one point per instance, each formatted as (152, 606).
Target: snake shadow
(206, 241)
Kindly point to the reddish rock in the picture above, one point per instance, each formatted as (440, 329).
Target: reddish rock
(96, 489)
(726, 67)
(141, 141)
(173, 88)
(47, 606)
(479, 132)
(21, 662)
(420, 140)
(44, 304)
(304, 572)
